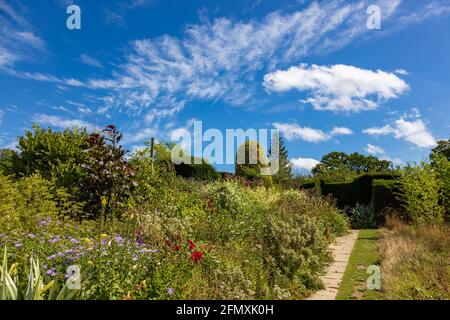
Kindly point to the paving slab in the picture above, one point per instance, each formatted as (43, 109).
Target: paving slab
(341, 250)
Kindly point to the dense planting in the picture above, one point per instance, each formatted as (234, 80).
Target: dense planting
(138, 231)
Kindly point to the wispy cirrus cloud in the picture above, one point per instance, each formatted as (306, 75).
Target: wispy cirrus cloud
(220, 59)
(90, 61)
(18, 39)
(62, 123)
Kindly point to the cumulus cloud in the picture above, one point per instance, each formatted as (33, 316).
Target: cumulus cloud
(293, 131)
(413, 131)
(341, 131)
(338, 87)
(306, 164)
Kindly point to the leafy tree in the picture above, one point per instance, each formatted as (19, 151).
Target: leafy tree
(250, 161)
(53, 155)
(420, 194)
(284, 173)
(442, 148)
(7, 158)
(341, 165)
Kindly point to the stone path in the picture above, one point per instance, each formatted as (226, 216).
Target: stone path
(341, 251)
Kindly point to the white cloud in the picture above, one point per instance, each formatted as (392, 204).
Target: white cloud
(338, 87)
(1, 116)
(401, 72)
(304, 163)
(411, 130)
(375, 150)
(58, 122)
(90, 61)
(294, 131)
(341, 131)
(220, 59)
(18, 40)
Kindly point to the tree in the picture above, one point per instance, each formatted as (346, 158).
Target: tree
(339, 165)
(250, 161)
(443, 148)
(53, 155)
(284, 173)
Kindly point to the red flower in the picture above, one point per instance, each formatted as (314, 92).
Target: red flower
(197, 256)
(177, 248)
(210, 204)
(191, 244)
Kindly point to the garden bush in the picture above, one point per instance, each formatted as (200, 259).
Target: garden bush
(202, 171)
(420, 194)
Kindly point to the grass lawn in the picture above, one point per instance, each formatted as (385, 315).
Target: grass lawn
(364, 253)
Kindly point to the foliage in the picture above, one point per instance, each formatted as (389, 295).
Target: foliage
(358, 191)
(383, 197)
(7, 158)
(109, 176)
(53, 155)
(363, 216)
(420, 194)
(29, 197)
(339, 166)
(35, 288)
(442, 149)
(199, 171)
(284, 174)
(251, 160)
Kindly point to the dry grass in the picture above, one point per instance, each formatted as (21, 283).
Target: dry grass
(415, 261)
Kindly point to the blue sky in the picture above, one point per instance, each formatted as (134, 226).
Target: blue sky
(309, 68)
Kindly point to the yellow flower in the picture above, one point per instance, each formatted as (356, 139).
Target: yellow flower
(90, 263)
(87, 241)
(104, 201)
(103, 236)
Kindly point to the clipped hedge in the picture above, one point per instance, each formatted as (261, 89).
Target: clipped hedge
(203, 171)
(348, 194)
(383, 195)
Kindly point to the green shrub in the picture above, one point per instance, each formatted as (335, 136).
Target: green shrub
(250, 161)
(53, 155)
(22, 201)
(420, 194)
(202, 171)
(296, 250)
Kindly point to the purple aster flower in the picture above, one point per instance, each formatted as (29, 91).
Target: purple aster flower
(170, 291)
(53, 256)
(73, 240)
(32, 235)
(51, 272)
(54, 239)
(118, 239)
(18, 245)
